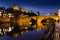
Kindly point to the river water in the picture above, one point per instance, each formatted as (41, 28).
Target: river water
(7, 31)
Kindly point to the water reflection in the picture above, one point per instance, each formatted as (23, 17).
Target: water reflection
(13, 29)
(6, 27)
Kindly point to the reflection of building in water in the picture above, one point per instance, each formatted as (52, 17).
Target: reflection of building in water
(5, 27)
(3, 16)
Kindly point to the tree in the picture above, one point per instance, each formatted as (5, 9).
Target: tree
(55, 14)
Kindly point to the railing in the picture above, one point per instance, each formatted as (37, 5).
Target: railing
(49, 34)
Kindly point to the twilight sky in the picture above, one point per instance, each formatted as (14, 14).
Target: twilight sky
(43, 6)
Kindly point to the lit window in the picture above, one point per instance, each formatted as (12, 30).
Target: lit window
(9, 14)
(4, 15)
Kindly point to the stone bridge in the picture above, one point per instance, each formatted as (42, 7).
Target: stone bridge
(34, 21)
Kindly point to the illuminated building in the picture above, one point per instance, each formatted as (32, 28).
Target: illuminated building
(15, 7)
(1, 11)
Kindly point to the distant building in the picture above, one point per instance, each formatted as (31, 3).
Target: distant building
(2, 11)
(15, 7)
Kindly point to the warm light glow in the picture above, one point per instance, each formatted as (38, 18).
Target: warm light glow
(58, 12)
(4, 15)
(0, 12)
(22, 10)
(25, 21)
(10, 14)
(10, 29)
(0, 31)
(26, 27)
(16, 8)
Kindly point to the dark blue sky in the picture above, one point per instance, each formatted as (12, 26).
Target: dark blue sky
(43, 6)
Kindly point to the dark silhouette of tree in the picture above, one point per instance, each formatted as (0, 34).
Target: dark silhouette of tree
(55, 14)
(38, 13)
(31, 13)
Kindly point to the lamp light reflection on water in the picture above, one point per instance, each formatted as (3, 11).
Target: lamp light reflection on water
(5, 30)
(0, 31)
(11, 28)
